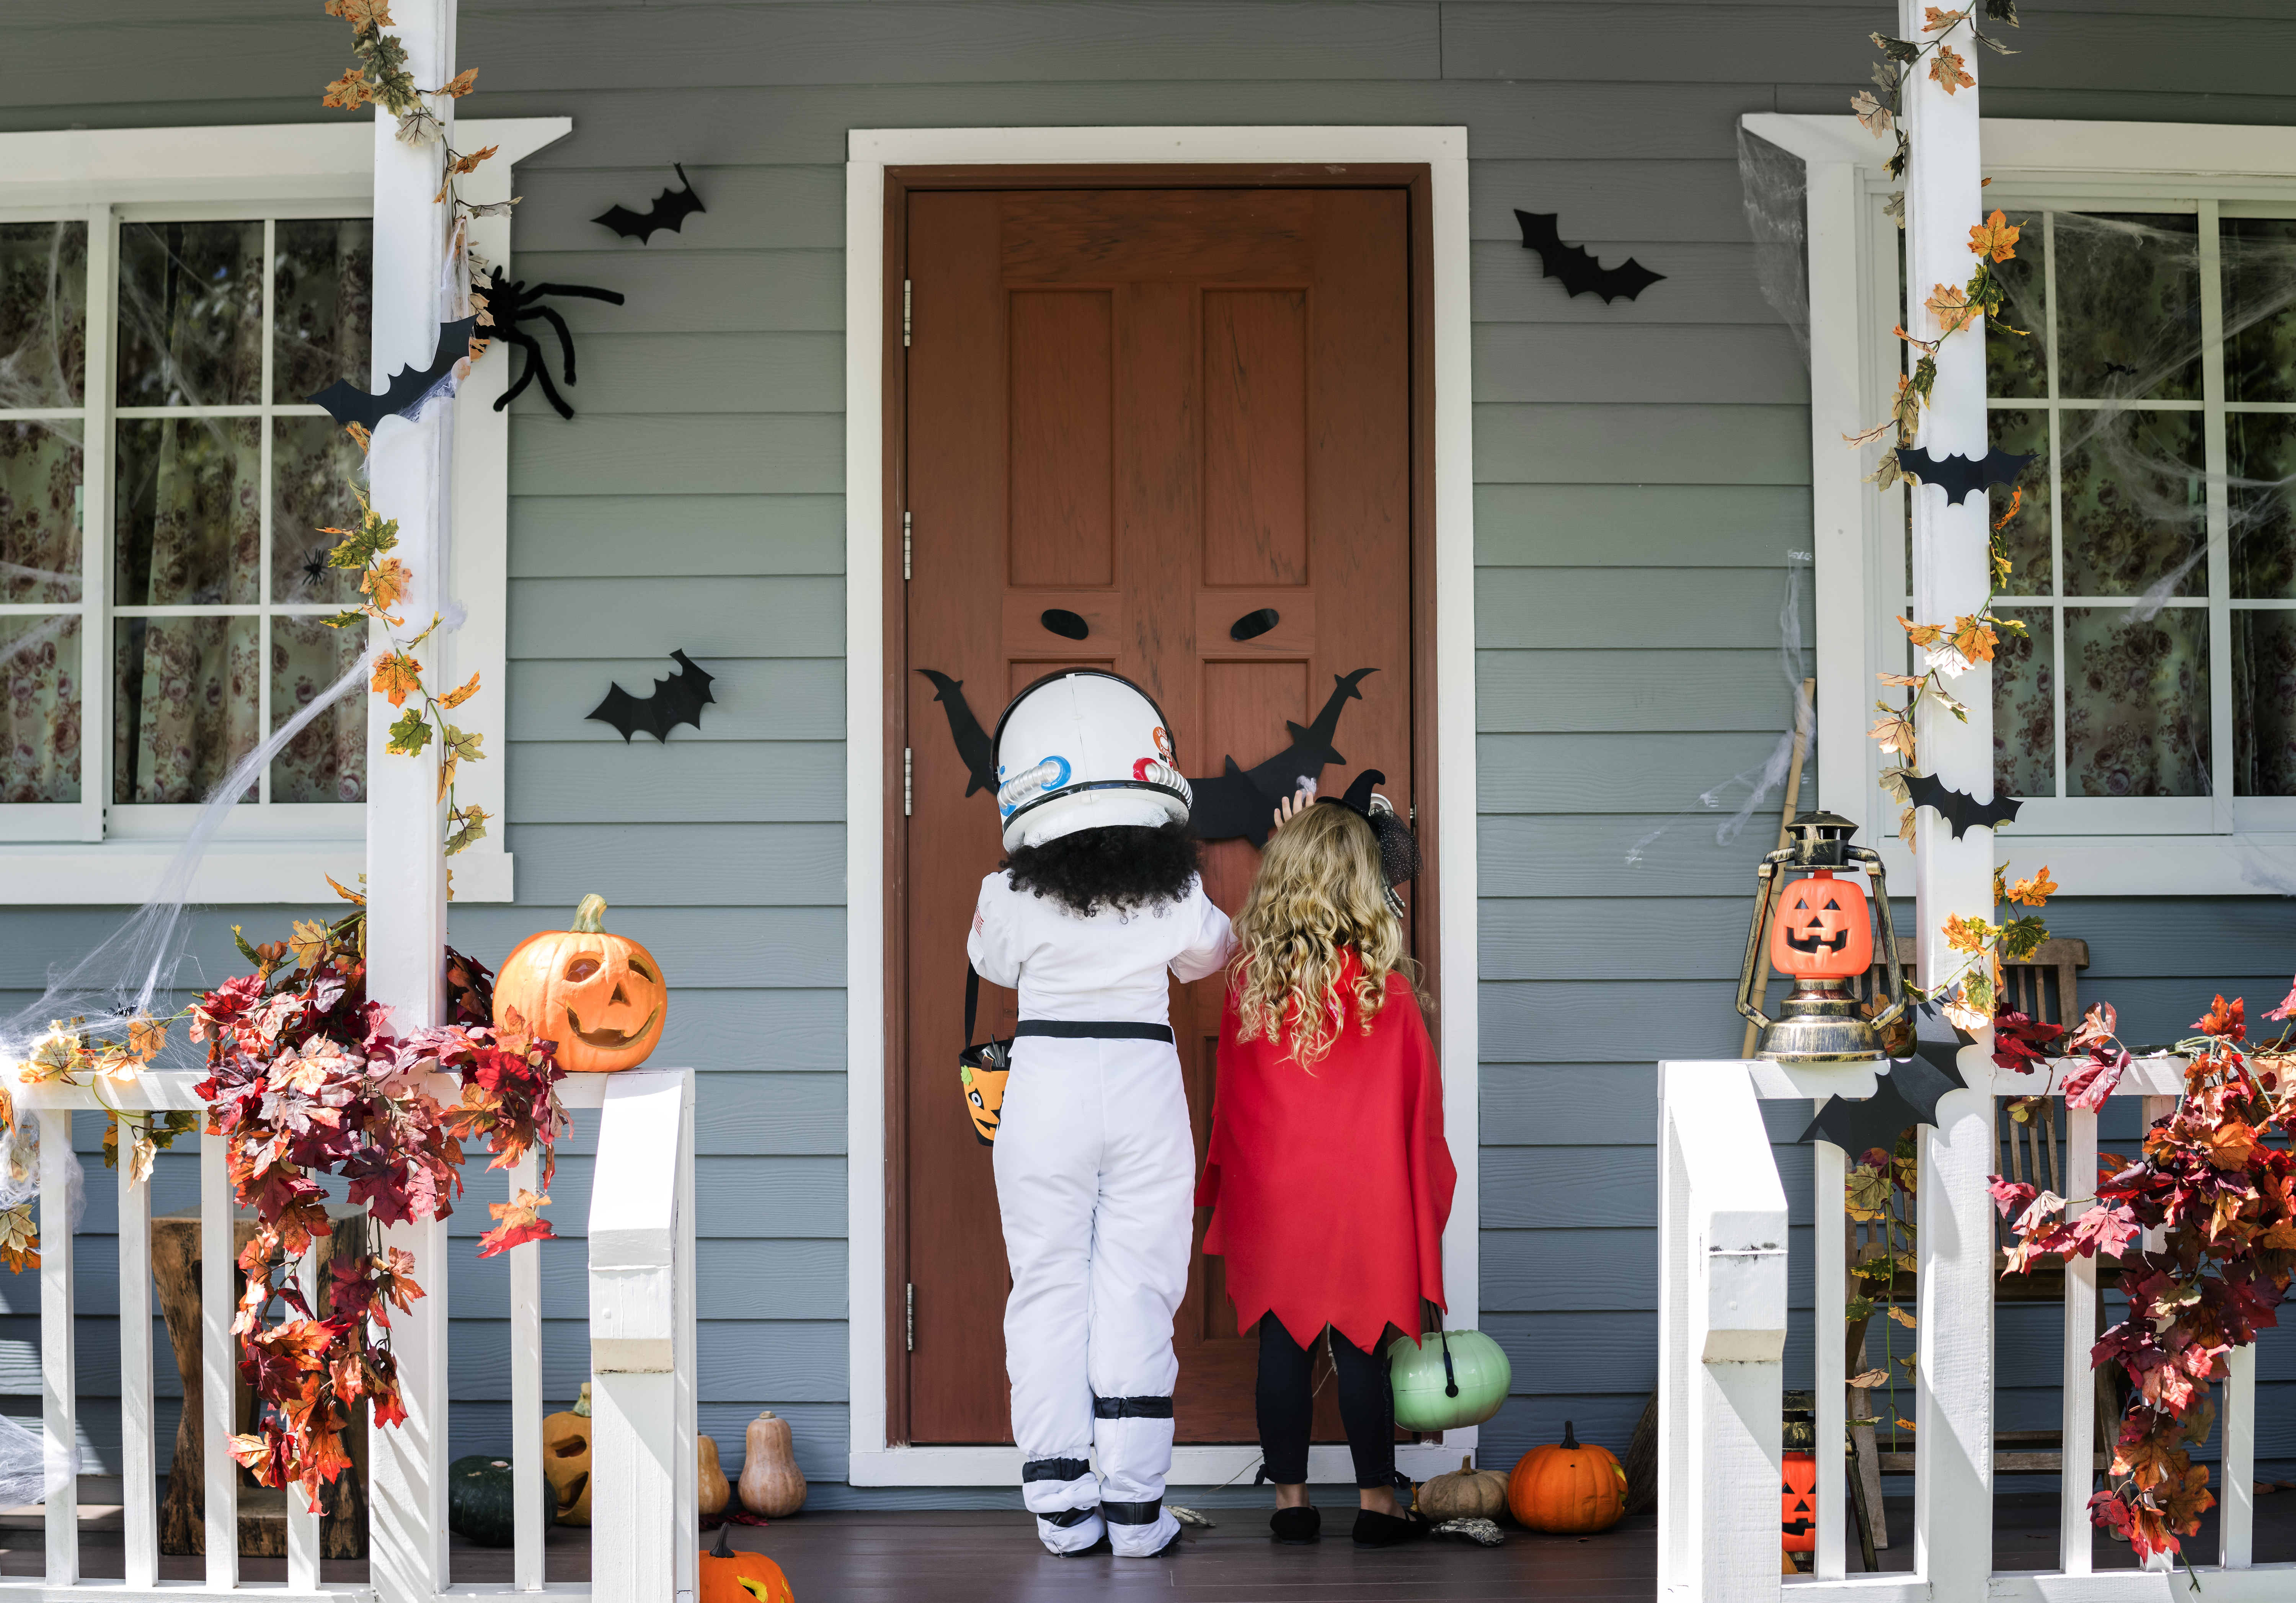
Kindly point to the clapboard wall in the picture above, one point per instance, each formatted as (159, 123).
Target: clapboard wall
(1642, 471)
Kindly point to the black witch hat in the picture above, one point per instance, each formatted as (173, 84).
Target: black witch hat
(1398, 849)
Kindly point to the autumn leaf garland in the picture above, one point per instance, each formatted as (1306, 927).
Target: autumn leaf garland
(398, 672)
(2210, 1179)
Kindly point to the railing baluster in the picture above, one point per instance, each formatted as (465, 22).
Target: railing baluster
(526, 1392)
(302, 1519)
(2076, 1472)
(59, 1386)
(138, 1459)
(2236, 1540)
(1831, 1164)
(219, 1366)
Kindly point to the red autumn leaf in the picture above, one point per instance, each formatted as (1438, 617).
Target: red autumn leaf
(2087, 1089)
(519, 1220)
(2223, 1021)
(2287, 1008)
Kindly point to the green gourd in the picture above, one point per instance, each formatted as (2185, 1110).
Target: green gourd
(481, 1500)
(1433, 1394)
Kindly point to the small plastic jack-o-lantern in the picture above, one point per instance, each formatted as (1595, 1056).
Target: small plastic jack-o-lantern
(566, 1460)
(598, 997)
(1822, 932)
(1798, 1503)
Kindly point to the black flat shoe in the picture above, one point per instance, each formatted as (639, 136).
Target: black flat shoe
(1376, 1530)
(1297, 1527)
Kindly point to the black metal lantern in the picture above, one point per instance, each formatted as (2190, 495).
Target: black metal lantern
(1820, 939)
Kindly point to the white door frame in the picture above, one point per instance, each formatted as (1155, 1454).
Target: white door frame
(1444, 150)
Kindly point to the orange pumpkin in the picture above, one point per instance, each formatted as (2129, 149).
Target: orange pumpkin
(1569, 1490)
(1822, 932)
(598, 997)
(731, 1577)
(1798, 1503)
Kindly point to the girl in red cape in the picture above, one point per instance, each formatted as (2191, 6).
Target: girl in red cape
(1327, 1172)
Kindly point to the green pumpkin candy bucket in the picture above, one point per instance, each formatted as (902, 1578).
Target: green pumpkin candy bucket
(1446, 1379)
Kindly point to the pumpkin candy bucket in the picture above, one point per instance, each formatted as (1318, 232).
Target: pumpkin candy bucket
(599, 997)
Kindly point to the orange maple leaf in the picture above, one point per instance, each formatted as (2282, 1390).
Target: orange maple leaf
(1973, 638)
(1936, 18)
(1950, 303)
(1997, 237)
(455, 698)
(460, 85)
(349, 92)
(1921, 634)
(386, 582)
(2035, 891)
(397, 676)
(1965, 934)
(1950, 71)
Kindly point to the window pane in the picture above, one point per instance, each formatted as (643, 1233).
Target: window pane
(2260, 264)
(43, 314)
(2018, 367)
(2264, 703)
(191, 314)
(2025, 432)
(2136, 703)
(2129, 306)
(321, 304)
(2260, 455)
(185, 707)
(188, 526)
(2136, 503)
(39, 512)
(40, 708)
(326, 761)
(314, 465)
(2024, 708)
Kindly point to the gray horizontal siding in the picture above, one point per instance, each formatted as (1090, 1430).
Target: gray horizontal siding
(1642, 472)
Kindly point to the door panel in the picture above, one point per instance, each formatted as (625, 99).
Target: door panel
(1161, 413)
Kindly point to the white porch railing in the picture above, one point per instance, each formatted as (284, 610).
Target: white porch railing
(642, 1324)
(1722, 1323)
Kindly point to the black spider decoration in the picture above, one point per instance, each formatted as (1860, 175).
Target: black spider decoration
(509, 302)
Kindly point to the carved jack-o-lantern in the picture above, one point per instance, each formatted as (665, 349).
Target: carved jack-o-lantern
(1821, 932)
(1798, 1503)
(599, 997)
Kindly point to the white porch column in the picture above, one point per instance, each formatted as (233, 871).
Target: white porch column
(1953, 1516)
(406, 878)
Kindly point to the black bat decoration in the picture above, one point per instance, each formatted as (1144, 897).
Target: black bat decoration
(973, 746)
(509, 302)
(1239, 803)
(1959, 808)
(347, 403)
(676, 700)
(1906, 1095)
(1576, 266)
(1957, 476)
(669, 210)
(1242, 802)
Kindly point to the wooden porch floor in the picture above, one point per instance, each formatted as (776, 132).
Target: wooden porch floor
(992, 1557)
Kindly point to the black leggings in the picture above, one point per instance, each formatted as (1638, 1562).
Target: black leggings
(1286, 1404)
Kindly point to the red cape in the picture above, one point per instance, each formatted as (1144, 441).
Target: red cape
(1329, 1189)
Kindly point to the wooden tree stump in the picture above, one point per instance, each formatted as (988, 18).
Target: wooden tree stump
(175, 1269)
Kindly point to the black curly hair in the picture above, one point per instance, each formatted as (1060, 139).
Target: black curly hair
(1124, 867)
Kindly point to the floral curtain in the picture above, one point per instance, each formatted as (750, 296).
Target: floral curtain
(43, 364)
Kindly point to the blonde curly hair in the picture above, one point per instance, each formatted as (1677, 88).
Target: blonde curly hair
(1319, 888)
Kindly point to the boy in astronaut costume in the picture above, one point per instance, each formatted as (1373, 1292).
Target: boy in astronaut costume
(1099, 900)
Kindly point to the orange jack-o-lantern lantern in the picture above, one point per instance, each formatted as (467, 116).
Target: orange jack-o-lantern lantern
(731, 1577)
(1822, 932)
(1798, 1503)
(599, 997)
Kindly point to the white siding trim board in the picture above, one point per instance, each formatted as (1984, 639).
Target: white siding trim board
(874, 1460)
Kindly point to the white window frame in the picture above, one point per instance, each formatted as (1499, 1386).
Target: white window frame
(2199, 847)
(874, 1460)
(88, 851)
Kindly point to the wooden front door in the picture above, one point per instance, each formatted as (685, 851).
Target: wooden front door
(1167, 433)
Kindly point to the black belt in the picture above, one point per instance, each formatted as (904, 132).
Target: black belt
(1069, 1029)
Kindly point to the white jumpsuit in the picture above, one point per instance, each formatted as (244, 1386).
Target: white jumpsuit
(1096, 1174)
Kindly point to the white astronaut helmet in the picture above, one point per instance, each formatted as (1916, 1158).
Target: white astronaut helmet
(1085, 749)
